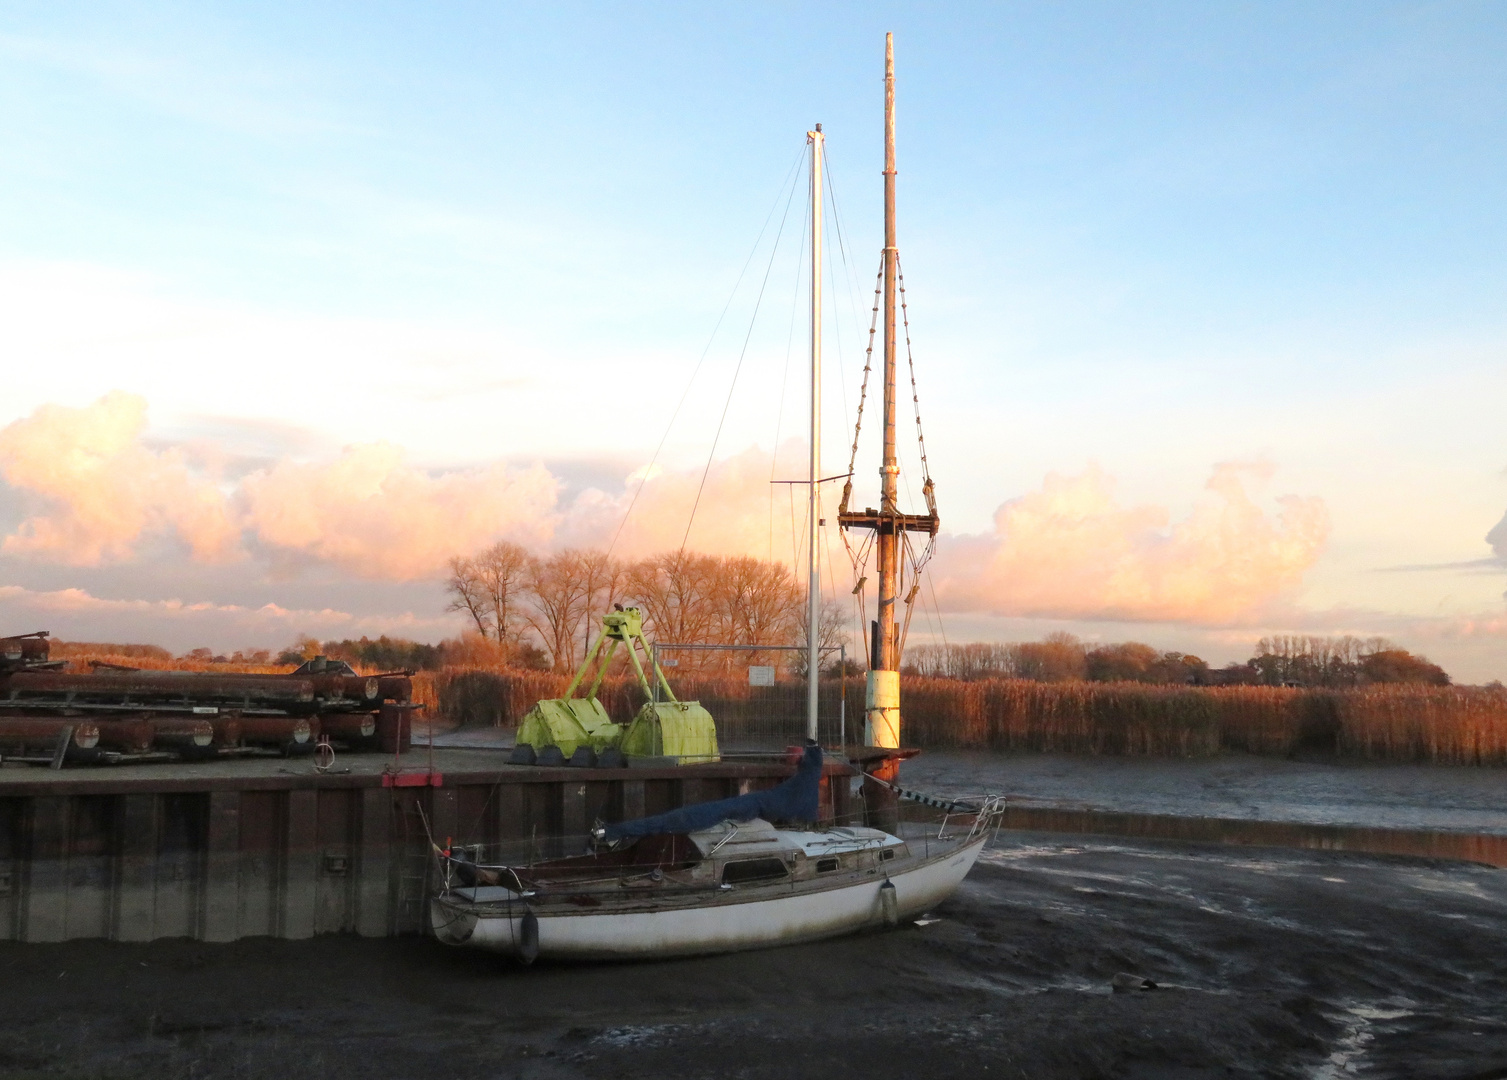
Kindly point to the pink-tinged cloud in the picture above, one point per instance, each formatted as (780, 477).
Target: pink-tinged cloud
(79, 615)
(374, 516)
(1070, 551)
(739, 512)
(94, 490)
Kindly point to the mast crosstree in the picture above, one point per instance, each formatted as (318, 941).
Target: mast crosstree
(888, 523)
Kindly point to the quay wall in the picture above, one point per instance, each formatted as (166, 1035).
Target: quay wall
(231, 856)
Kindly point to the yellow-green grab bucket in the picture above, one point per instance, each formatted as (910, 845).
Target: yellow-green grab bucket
(678, 729)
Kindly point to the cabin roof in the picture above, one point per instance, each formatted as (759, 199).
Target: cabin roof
(739, 839)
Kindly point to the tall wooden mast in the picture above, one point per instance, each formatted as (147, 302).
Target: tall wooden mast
(882, 728)
(889, 469)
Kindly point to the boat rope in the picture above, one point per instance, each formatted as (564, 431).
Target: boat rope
(952, 806)
(928, 491)
(863, 392)
(915, 561)
(860, 558)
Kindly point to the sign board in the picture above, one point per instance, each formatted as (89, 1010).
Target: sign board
(671, 662)
(760, 675)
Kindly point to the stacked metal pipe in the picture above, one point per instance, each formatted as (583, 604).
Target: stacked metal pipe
(115, 713)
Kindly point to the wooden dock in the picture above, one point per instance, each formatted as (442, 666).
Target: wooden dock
(223, 850)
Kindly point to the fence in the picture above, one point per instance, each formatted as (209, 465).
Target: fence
(758, 694)
(750, 718)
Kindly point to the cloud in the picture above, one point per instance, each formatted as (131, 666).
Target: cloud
(1070, 551)
(738, 513)
(1497, 538)
(372, 515)
(95, 490)
(75, 614)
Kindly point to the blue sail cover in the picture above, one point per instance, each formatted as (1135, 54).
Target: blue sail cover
(795, 799)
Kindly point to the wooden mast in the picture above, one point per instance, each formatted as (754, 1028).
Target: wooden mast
(882, 728)
(884, 709)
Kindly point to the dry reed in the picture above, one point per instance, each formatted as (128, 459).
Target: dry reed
(84, 659)
(1447, 725)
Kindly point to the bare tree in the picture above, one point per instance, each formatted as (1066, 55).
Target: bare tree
(673, 590)
(831, 632)
(559, 590)
(966, 662)
(685, 597)
(1058, 657)
(468, 593)
(605, 578)
(754, 602)
(504, 572)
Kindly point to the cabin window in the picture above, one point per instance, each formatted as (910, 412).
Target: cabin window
(887, 854)
(824, 866)
(735, 873)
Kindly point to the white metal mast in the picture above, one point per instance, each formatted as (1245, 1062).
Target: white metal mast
(813, 508)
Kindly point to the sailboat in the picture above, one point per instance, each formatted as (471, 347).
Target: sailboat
(752, 871)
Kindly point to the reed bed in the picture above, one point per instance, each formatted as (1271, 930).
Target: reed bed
(485, 696)
(1458, 725)
(499, 697)
(82, 658)
(1446, 725)
(1073, 717)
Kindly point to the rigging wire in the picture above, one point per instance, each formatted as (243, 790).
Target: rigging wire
(648, 471)
(863, 393)
(851, 283)
(860, 558)
(779, 419)
(742, 353)
(926, 487)
(942, 629)
(849, 268)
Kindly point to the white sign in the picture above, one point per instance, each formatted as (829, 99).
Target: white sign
(760, 675)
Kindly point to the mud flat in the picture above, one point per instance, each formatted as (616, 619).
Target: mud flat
(1436, 798)
(1269, 963)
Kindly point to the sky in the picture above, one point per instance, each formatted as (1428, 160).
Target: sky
(1206, 303)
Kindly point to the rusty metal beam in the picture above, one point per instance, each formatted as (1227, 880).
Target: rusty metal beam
(44, 731)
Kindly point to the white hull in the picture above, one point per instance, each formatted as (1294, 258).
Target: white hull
(726, 924)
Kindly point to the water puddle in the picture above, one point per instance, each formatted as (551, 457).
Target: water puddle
(636, 1035)
(1357, 1022)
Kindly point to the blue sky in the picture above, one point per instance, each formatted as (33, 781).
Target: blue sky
(1149, 238)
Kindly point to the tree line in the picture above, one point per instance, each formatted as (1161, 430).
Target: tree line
(1287, 660)
(546, 610)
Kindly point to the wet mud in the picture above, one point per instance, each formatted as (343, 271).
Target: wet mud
(1267, 963)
